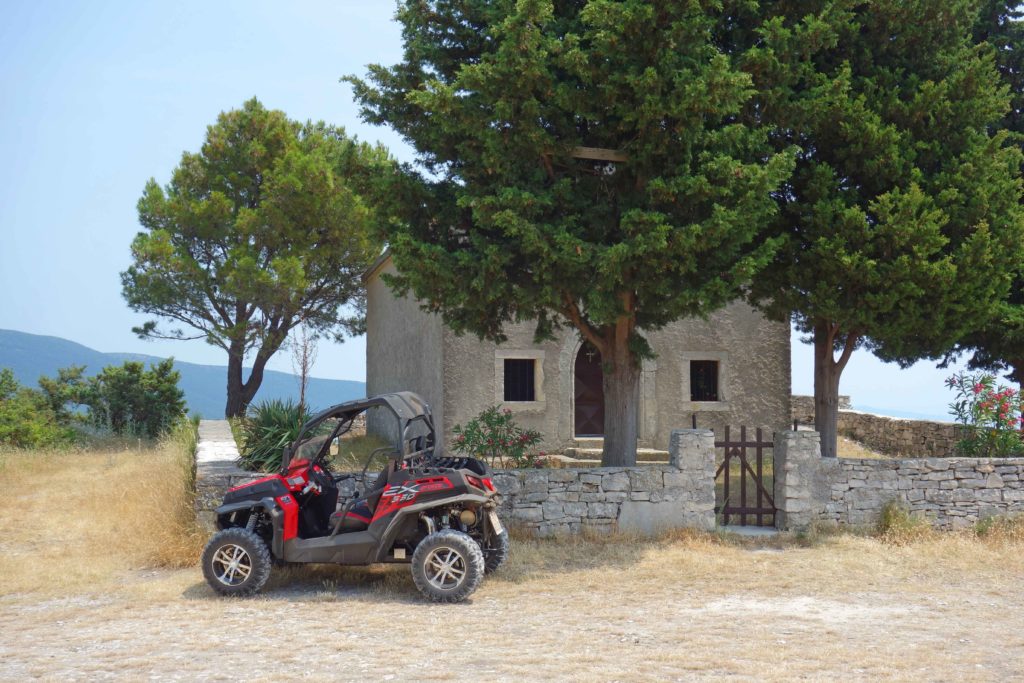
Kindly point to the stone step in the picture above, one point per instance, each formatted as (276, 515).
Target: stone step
(642, 454)
(561, 461)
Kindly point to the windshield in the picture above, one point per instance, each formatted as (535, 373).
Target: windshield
(327, 433)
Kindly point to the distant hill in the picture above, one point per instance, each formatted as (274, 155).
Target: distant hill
(32, 355)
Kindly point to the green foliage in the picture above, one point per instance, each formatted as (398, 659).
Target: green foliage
(266, 227)
(989, 416)
(66, 389)
(266, 430)
(26, 417)
(901, 222)
(494, 437)
(129, 399)
(512, 224)
(998, 345)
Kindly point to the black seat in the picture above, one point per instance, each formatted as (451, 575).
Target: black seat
(357, 518)
(360, 513)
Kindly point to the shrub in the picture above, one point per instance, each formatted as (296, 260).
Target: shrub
(26, 418)
(1001, 528)
(494, 437)
(65, 392)
(898, 526)
(988, 415)
(132, 400)
(266, 430)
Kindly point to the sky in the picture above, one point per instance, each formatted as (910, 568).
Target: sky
(98, 97)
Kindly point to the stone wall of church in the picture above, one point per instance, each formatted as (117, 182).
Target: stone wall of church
(754, 368)
(404, 351)
(408, 349)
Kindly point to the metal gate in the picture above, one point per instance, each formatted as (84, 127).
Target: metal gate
(742, 488)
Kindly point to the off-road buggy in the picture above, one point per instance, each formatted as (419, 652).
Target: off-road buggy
(437, 513)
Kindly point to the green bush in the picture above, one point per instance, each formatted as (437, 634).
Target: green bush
(132, 400)
(266, 430)
(493, 436)
(26, 418)
(988, 414)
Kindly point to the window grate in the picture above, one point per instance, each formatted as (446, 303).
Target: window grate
(703, 380)
(520, 379)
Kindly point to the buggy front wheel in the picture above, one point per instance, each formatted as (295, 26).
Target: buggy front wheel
(447, 566)
(236, 562)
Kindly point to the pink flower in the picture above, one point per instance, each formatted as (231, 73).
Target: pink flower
(978, 387)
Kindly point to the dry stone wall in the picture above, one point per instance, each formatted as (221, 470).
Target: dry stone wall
(950, 492)
(884, 434)
(638, 499)
(545, 502)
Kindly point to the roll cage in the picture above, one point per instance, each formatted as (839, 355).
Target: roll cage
(411, 413)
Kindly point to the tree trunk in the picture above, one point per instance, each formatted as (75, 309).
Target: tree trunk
(252, 385)
(827, 371)
(236, 405)
(621, 399)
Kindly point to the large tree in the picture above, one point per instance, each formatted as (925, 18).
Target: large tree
(902, 222)
(583, 166)
(998, 346)
(270, 225)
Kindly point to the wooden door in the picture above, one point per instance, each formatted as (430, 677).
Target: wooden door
(589, 383)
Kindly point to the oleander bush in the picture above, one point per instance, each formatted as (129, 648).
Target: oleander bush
(988, 415)
(494, 437)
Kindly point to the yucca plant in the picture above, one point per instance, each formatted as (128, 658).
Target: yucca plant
(267, 428)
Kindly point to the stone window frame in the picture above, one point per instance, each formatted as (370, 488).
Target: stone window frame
(537, 356)
(723, 403)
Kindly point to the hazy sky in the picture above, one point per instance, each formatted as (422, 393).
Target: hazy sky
(96, 98)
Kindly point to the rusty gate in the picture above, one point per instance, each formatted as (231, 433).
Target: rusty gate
(743, 488)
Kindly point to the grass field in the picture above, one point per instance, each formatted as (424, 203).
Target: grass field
(97, 581)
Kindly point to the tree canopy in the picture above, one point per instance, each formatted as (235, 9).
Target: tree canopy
(901, 221)
(268, 226)
(999, 344)
(584, 164)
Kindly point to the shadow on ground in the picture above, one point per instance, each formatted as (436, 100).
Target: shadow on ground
(531, 559)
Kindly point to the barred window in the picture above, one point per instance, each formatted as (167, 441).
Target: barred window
(520, 379)
(703, 380)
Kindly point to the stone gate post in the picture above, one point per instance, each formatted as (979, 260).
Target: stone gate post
(797, 461)
(692, 452)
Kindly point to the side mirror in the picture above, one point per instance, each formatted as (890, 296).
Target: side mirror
(286, 458)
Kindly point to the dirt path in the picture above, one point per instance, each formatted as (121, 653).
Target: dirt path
(850, 609)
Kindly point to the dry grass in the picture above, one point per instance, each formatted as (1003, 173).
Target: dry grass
(821, 606)
(77, 520)
(848, 448)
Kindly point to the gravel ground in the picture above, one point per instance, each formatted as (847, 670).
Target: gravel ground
(847, 608)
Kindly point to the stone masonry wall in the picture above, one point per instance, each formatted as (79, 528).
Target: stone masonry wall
(950, 492)
(888, 435)
(642, 499)
(896, 436)
(802, 408)
(635, 499)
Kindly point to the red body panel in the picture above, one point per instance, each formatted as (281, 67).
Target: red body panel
(398, 496)
(291, 517)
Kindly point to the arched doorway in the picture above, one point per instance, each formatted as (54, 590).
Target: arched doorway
(589, 392)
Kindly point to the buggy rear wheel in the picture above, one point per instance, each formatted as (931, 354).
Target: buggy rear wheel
(496, 552)
(236, 562)
(447, 566)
